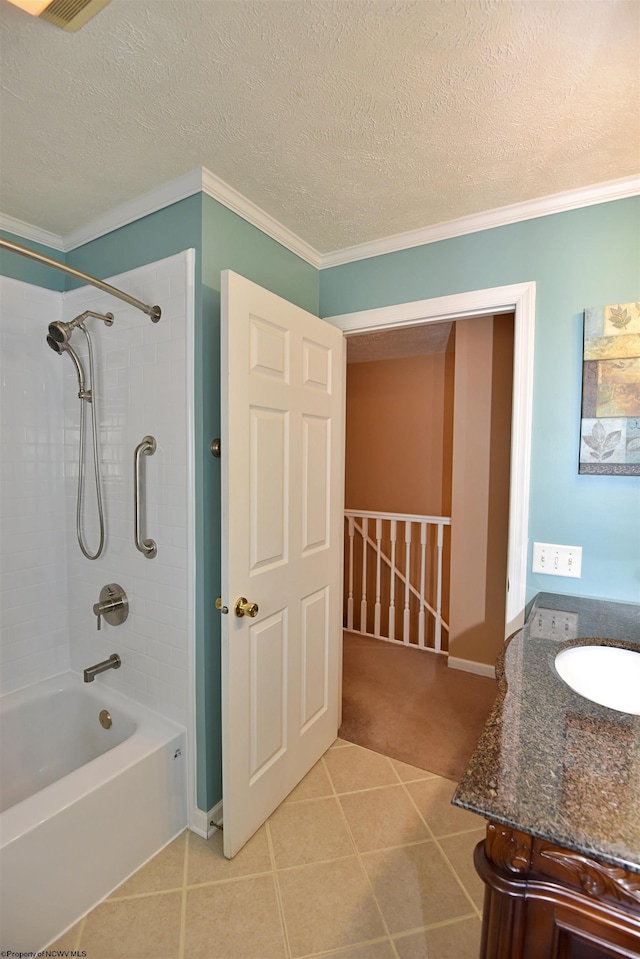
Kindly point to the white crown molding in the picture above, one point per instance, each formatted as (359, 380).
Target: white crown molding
(202, 180)
(216, 188)
(29, 232)
(135, 209)
(487, 220)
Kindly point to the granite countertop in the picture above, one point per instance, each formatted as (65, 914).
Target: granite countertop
(549, 762)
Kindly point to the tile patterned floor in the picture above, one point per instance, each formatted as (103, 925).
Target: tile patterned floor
(365, 859)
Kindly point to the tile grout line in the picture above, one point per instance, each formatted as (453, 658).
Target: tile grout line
(436, 925)
(81, 930)
(183, 904)
(352, 792)
(340, 950)
(442, 852)
(274, 873)
(363, 871)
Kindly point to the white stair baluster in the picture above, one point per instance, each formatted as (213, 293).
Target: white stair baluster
(376, 626)
(392, 591)
(407, 570)
(438, 632)
(350, 596)
(363, 598)
(423, 575)
(360, 523)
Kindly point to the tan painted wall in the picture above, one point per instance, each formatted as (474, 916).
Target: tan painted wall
(398, 455)
(396, 428)
(480, 486)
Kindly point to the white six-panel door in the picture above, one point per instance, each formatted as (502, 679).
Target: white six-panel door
(282, 503)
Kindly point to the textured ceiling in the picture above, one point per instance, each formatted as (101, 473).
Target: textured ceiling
(400, 342)
(346, 121)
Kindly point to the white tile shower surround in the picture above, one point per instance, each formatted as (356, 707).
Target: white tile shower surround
(34, 627)
(141, 386)
(143, 391)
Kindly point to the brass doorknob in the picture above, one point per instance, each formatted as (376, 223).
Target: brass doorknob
(245, 608)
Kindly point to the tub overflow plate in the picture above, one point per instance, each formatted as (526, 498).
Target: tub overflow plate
(105, 719)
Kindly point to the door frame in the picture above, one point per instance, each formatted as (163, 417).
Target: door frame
(519, 298)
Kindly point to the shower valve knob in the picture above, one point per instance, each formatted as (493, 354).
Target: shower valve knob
(113, 605)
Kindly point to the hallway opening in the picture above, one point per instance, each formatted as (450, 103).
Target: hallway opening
(428, 437)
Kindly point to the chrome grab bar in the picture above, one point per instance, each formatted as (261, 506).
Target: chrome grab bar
(146, 448)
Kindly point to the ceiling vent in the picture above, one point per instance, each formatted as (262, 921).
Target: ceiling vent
(67, 14)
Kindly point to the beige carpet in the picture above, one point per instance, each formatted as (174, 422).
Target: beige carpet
(405, 703)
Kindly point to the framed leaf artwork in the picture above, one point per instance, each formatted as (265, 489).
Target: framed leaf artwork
(610, 429)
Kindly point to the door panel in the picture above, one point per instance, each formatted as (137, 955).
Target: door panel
(316, 460)
(282, 505)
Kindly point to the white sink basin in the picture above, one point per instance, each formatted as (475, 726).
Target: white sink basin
(606, 675)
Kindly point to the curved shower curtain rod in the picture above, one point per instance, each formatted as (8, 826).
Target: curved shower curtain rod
(152, 311)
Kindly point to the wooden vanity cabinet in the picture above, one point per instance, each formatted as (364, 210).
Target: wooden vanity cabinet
(546, 902)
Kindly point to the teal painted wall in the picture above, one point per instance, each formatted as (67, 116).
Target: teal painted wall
(581, 258)
(20, 268)
(161, 234)
(229, 243)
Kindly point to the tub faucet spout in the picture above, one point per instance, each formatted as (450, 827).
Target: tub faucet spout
(90, 673)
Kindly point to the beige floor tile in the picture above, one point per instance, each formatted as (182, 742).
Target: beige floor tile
(459, 852)
(328, 906)
(206, 863)
(357, 768)
(68, 941)
(144, 928)
(459, 940)
(384, 817)
(371, 950)
(414, 887)
(433, 799)
(409, 773)
(340, 742)
(314, 785)
(234, 920)
(164, 871)
(309, 832)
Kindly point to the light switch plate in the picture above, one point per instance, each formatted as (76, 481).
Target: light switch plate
(555, 560)
(554, 624)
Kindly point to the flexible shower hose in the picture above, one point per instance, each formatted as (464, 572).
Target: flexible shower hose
(96, 462)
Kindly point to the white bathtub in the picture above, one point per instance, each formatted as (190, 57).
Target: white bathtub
(84, 807)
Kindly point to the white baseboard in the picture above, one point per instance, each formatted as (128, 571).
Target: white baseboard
(468, 666)
(204, 823)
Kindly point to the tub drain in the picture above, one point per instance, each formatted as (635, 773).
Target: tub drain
(105, 719)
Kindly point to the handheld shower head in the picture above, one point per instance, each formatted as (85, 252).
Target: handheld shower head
(56, 338)
(61, 348)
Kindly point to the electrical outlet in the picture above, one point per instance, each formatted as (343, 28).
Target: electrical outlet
(557, 560)
(554, 624)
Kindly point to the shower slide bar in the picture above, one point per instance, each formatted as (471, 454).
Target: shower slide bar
(154, 312)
